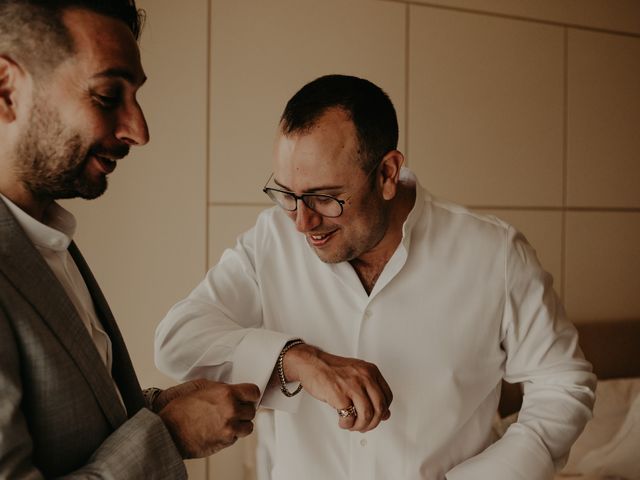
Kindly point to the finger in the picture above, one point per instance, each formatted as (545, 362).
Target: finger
(377, 391)
(347, 423)
(229, 441)
(344, 403)
(247, 392)
(379, 404)
(245, 411)
(388, 394)
(243, 428)
(365, 411)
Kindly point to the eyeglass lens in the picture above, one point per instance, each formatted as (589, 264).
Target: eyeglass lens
(323, 204)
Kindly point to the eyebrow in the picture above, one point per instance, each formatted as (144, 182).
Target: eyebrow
(121, 73)
(312, 190)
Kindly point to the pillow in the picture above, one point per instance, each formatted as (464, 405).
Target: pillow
(610, 443)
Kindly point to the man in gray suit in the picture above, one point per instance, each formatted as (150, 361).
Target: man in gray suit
(70, 402)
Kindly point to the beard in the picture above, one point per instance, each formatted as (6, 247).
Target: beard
(52, 159)
(359, 236)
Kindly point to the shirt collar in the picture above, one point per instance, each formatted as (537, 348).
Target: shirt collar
(56, 234)
(408, 177)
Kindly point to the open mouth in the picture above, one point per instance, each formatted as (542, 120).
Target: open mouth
(320, 239)
(106, 165)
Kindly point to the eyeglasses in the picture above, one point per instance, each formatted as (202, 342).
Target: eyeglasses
(326, 205)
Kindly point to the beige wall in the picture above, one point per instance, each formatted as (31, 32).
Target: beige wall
(528, 109)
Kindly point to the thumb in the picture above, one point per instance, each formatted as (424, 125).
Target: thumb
(247, 392)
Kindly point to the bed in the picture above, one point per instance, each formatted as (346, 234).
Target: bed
(609, 447)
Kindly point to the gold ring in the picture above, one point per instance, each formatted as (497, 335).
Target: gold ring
(350, 411)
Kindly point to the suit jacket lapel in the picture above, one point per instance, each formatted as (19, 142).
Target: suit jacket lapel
(25, 268)
(122, 369)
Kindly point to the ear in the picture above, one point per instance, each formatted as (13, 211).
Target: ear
(12, 78)
(390, 173)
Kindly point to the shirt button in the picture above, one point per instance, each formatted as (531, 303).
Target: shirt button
(363, 442)
(367, 314)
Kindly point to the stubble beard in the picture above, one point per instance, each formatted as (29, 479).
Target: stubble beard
(365, 236)
(51, 159)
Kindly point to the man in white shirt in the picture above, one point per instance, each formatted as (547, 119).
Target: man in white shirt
(70, 404)
(357, 264)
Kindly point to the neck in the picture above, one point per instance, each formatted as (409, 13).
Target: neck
(370, 265)
(23, 198)
(368, 273)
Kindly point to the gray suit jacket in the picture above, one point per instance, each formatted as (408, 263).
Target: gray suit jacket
(59, 411)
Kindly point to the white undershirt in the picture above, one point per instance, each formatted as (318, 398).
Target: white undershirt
(52, 241)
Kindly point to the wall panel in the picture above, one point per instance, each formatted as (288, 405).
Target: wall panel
(263, 52)
(603, 163)
(226, 222)
(616, 15)
(603, 265)
(486, 108)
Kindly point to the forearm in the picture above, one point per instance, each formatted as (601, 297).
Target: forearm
(197, 341)
(216, 332)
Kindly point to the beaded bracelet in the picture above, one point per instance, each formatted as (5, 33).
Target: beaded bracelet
(280, 367)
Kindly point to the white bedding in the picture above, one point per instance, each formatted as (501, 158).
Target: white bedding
(609, 447)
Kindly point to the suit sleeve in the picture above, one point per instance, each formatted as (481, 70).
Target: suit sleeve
(543, 353)
(139, 448)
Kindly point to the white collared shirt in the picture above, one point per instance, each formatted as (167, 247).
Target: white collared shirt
(462, 304)
(52, 241)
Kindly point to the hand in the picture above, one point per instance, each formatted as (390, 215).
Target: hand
(204, 417)
(341, 382)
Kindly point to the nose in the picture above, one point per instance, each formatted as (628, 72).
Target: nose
(132, 127)
(305, 218)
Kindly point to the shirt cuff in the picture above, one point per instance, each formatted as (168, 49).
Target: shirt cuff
(254, 360)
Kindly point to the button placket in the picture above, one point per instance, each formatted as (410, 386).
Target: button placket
(362, 458)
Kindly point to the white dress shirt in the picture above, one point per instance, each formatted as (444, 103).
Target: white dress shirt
(462, 304)
(52, 241)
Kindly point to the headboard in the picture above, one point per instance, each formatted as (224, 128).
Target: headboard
(612, 347)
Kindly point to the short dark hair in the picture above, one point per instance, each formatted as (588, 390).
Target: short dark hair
(368, 106)
(33, 33)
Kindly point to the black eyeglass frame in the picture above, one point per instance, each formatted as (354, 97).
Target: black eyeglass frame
(302, 197)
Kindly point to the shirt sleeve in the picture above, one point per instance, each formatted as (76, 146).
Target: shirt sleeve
(542, 352)
(216, 332)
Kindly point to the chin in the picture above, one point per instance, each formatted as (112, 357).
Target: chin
(331, 257)
(86, 192)
(91, 190)
(92, 194)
